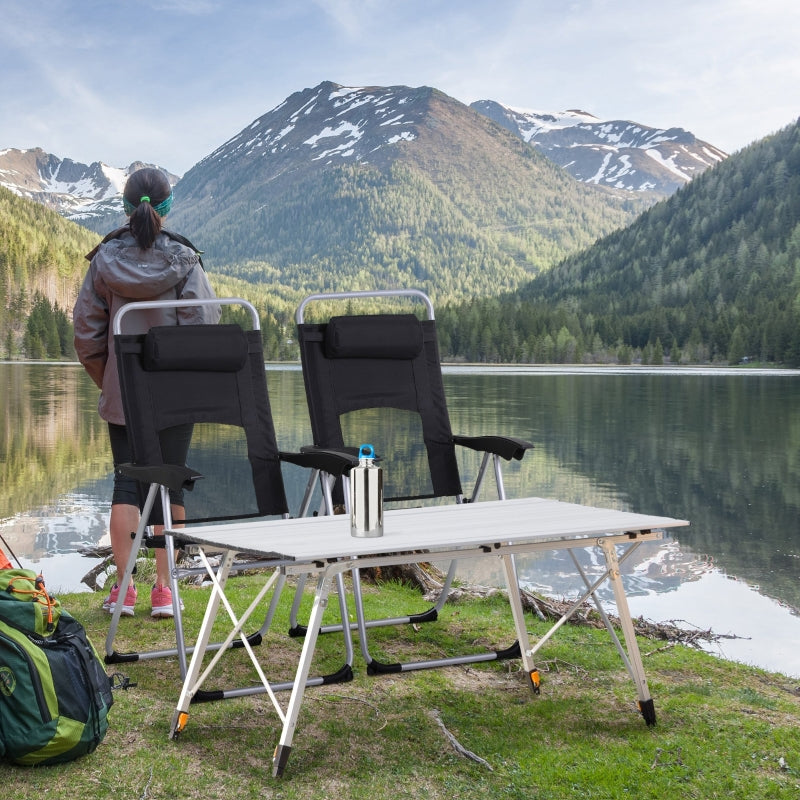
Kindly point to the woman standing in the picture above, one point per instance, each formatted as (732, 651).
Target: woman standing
(140, 261)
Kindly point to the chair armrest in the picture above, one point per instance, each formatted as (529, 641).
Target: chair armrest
(505, 446)
(173, 476)
(334, 462)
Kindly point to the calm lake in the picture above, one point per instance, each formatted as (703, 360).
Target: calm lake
(720, 449)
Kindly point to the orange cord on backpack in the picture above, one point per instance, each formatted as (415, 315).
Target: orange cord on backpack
(39, 594)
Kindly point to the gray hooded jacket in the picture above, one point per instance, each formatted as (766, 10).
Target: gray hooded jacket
(121, 272)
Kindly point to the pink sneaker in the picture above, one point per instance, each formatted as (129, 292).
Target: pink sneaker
(161, 602)
(127, 606)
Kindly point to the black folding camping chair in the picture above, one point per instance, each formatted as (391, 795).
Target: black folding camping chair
(211, 377)
(358, 363)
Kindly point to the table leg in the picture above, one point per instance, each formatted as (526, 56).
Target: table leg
(181, 714)
(283, 750)
(512, 583)
(623, 610)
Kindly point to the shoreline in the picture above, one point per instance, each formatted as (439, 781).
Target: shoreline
(455, 368)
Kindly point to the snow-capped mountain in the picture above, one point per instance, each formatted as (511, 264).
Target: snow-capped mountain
(325, 125)
(382, 116)
(332, 124)
(80, 192)
(370, 187)
(614, 153)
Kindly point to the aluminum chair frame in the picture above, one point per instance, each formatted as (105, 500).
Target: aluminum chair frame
(160, 478)
(494, 450)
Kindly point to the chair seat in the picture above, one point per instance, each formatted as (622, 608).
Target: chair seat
(173, 476)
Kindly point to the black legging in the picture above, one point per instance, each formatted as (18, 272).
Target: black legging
(128, 491)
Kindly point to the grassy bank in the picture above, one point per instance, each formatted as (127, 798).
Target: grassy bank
(724, 730)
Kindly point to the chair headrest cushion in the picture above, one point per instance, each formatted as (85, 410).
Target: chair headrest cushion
(205, 348)
(393, 336)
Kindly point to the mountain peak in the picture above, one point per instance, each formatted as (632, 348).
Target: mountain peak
(614, 153)
(370, 187)
(78, 191)
(328, 123)
(333, 124)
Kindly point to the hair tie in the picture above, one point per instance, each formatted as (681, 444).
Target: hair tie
(162, 209)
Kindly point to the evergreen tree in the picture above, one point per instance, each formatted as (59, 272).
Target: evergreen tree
(721, 254)
(658, 354)
(736, 350)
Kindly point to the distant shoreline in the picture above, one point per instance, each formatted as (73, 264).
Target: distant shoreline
(619, 369)
(449, 367)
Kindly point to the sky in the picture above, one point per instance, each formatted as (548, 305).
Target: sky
(169, 81)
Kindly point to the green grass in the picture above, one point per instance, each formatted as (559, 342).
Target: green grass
(724, 730)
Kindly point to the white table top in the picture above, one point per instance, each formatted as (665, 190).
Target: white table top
(432, 528)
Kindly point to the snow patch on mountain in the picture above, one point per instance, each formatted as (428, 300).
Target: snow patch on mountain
(533, 122)
(668, 163)
(77, 191)
(618, 154)
(331, 124)
(327, 122)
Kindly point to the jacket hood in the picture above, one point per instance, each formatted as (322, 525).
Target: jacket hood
(132, 272)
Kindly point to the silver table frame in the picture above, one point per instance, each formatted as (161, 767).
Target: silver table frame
(323, 546)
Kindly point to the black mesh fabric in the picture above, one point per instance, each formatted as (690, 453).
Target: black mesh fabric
(343, 372)
(201, 374)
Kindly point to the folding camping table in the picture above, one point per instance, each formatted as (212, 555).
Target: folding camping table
(323, 546)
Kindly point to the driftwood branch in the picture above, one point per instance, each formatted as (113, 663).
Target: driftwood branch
(146, 789)
(430, 581)
(457, 746)
(90, 578)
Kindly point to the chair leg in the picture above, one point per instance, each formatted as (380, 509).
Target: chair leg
(181, 651)
(375, 667)
(305, 503)
(127, 576)
(448, 582)
(177, 613)
(498, 477)
(326, 483)
(295, 628)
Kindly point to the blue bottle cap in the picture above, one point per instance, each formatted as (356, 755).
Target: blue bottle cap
(366, 451)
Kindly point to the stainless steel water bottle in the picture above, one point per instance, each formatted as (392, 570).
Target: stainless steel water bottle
(366, 495)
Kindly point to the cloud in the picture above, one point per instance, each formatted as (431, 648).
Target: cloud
(346, 15)
(194, 7)
(176, 78)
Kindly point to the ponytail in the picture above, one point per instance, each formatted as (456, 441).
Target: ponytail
(145, 224)
(146, 199)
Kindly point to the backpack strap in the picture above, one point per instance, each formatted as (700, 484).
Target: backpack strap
(107, 238)
(176, 237)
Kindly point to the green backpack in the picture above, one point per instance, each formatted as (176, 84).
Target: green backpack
(54, 691)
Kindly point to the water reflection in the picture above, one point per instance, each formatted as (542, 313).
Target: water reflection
(51, 439)
(720, 451)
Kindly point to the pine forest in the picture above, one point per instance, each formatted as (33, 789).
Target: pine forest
(709, 275)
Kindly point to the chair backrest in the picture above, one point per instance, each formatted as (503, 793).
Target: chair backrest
(190, 374)
(356, 362)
